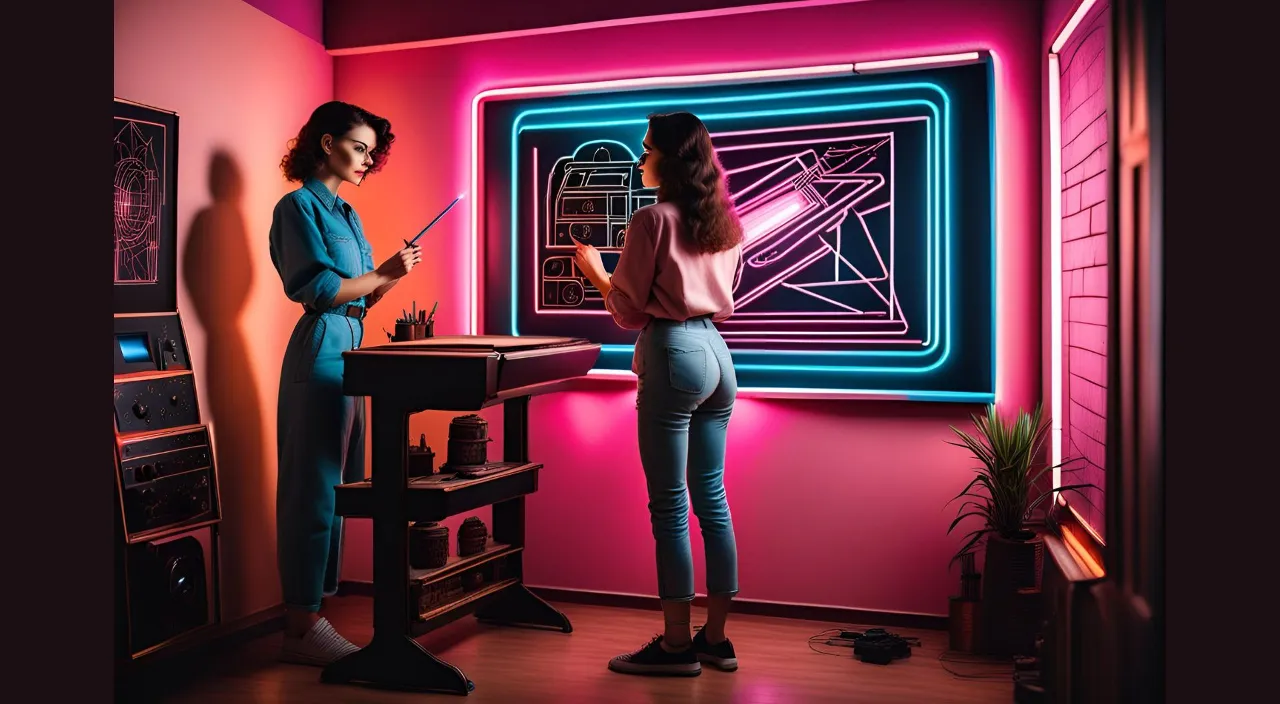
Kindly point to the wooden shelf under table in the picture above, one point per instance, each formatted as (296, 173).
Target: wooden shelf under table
(493, 563)
(438, 496)
(457, 565)
(463, 605)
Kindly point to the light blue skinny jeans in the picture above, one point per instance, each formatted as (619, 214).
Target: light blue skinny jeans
(685, 396)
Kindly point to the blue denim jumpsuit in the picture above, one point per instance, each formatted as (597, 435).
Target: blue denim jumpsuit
(316, 240)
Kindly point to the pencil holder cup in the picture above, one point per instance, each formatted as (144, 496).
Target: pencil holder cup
(422, 331)
(405, 332)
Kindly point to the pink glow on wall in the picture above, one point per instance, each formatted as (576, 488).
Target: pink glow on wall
(871, 479)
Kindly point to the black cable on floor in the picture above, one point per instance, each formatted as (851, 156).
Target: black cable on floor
(987, 668)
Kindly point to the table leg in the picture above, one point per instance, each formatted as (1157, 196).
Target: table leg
(393, 659)
(517, 606)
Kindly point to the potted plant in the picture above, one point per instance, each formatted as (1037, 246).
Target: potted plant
(1005, 493)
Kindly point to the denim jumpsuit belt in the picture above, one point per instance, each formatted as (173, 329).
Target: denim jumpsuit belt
(687, 387)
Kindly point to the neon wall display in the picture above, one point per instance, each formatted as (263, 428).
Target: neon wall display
(866, 200)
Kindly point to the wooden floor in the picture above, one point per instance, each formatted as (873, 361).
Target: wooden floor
(778, 666)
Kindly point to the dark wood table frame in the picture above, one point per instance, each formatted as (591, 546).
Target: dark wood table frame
(393, 659)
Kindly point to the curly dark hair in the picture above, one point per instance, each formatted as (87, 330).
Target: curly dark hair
(334, 118)
(694, 181)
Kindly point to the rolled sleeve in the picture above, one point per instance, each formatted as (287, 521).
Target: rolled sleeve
(301, 257)
(632, 280)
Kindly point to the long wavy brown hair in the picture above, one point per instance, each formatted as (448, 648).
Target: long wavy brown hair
(692, 179)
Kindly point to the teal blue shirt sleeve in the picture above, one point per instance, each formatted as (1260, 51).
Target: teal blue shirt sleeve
(299, 253)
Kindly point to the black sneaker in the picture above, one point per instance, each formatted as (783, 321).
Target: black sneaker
(652, 659)
(720, 655)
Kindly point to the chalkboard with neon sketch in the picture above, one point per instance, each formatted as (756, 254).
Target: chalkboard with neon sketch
(866, 200)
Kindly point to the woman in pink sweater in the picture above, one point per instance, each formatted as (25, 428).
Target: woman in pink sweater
(673, 281)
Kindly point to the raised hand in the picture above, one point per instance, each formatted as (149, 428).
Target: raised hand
(588, 260)
(401, 263)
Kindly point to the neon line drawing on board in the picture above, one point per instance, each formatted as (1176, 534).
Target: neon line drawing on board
(806, 201)
(139, 198)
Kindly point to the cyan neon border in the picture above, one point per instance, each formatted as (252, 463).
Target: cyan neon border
(992, 135)
(935, 147)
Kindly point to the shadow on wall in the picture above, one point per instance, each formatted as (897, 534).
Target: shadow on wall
(218, 273)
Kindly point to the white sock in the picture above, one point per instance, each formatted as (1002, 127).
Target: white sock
(320, 645)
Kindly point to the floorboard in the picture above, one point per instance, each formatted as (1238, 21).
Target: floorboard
(779, 665)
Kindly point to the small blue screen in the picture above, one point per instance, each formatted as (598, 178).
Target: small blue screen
(134, 347)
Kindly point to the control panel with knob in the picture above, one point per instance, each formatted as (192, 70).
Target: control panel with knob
(156, 403)
(167, 482)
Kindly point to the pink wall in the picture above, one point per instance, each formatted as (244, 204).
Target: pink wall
(824, 494)
(237, 109)
(1083, 65)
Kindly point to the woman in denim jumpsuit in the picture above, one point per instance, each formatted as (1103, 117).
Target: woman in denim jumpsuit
(325, 264)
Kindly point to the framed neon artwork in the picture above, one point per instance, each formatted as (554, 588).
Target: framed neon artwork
(867, 202)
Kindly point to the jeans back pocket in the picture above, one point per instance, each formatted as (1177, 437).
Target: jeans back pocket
(687, 368)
